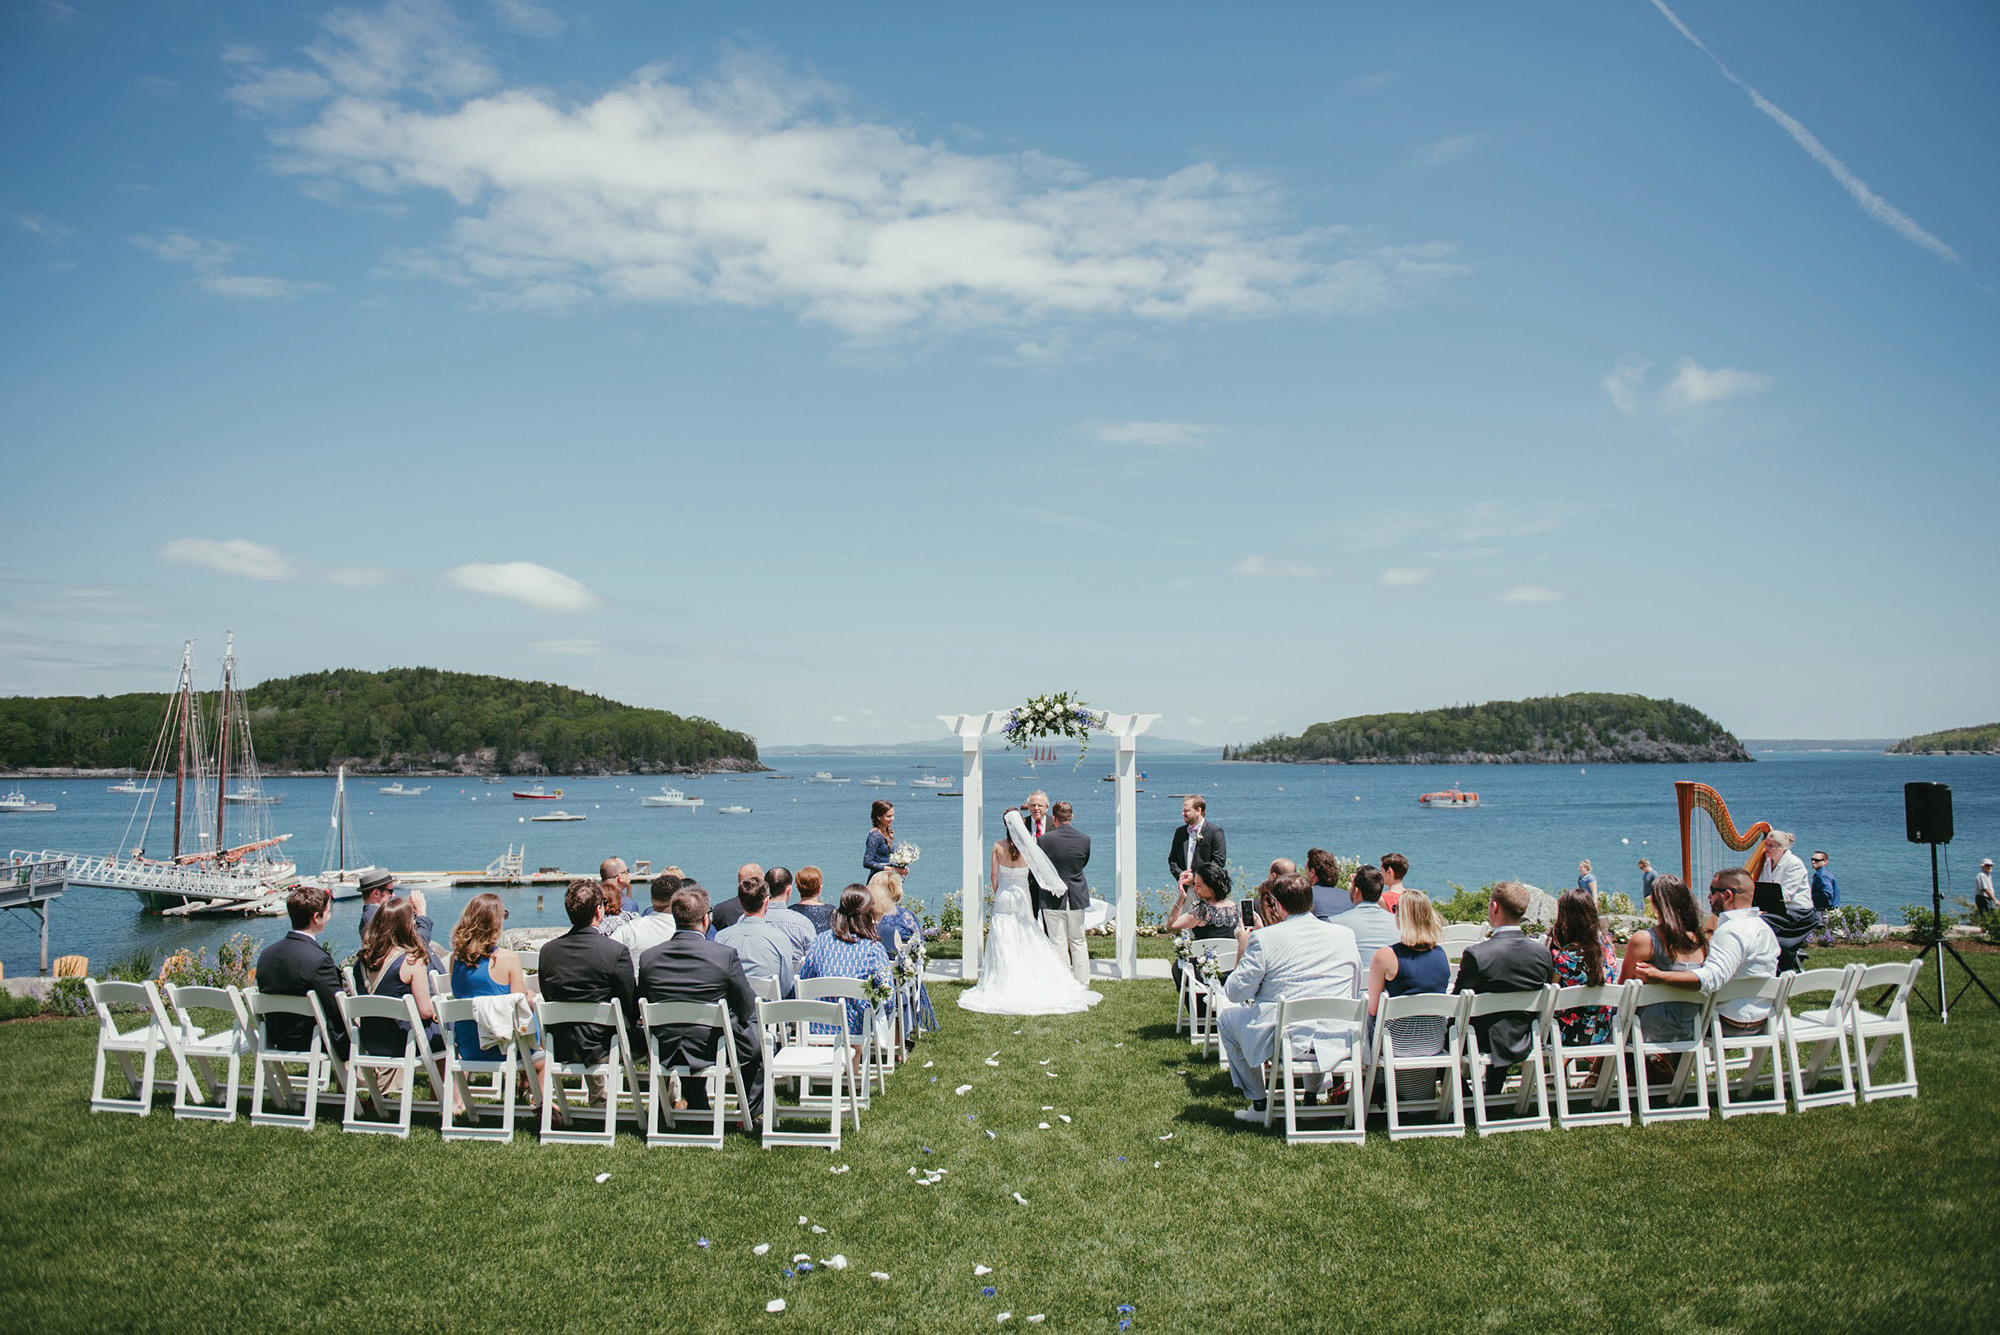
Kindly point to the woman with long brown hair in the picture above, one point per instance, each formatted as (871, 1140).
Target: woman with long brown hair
(1576, 943)
(880, 845)
(482, 967)
(394, 963)
(1676, 940)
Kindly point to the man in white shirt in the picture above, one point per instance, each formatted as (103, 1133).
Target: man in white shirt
(1743, 947)
(1293, 955)
(1373, 926)
(1982, 888)
(641, 934)
(766, 951)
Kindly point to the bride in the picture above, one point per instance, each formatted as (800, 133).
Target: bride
(1022, 972)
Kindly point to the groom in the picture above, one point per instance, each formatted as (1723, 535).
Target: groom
(1062, 907)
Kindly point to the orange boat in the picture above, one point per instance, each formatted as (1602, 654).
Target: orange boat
(538, 794)
(1449, 797)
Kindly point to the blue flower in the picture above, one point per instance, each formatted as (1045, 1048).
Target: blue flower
(1126, 1309)
(927, 1149)
(788, 1272)
(986, 1292)
(805, 1266)
(701, 1242)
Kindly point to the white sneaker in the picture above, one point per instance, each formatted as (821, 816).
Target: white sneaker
(1250, 1115)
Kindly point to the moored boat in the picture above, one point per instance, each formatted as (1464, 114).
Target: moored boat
(398, 790)
(1449, 797)
(669, 796)
(557, 815)
(17, 802)
(825, 776)
(537, 794)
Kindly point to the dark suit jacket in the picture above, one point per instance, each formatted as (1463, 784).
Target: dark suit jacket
(295, 966)
(1209, 850)
(583, 964)
(1505, 962)
(1069, 848)
(690, 967)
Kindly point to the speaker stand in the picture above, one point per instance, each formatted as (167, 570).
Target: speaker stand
(1941, 946)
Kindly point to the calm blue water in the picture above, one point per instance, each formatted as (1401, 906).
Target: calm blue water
(1533, 823)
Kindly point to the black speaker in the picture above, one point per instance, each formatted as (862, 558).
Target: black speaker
(1927, 812)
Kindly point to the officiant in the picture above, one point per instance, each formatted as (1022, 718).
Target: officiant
(1198, 842)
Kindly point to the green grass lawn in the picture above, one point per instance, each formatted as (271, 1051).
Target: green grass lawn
(1871, 1218)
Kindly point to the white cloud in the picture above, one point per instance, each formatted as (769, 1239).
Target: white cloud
(209, 259)
(1168, 434)
(748, 189)
(48, 229)
(1444, 152)
(1403, 577)
(1624, 382)
(1696, 386)
(525, 582)
(231, 556)
(1530, 593)
(1267, 567)
(525, 18)
(570, 647)
(838, 718)
(1871, 203)
(262, 289)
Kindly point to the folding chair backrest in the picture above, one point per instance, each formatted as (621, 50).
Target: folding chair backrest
(1902, 977)
(185, 998)
(402, 1009)
(105, 995)
(1581, 997)
(266, 1004)
(711, 1014)
(1833, 982)
(765, 988)
(531, 960)
(1301, 1010)
(1482, 1004)
(1447, 1005)
(797, 1017)
(815, 989)
(1772, 990)
(1660, 994)
(579, 1012)
(1462, 933)
(451, 1011)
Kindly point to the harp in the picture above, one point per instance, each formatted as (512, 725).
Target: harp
(1710, 840)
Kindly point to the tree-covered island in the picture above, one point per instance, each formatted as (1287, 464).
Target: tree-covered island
(1585, 729)
(1981, 740)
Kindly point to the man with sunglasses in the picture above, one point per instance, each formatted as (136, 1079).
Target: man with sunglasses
(1825, 890)
(1743, 946)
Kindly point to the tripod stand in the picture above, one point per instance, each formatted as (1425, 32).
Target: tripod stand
(1940, 945)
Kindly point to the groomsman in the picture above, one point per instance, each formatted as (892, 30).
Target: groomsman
(1197, 843)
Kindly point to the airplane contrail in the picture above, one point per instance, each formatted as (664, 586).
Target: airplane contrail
(1871, 203)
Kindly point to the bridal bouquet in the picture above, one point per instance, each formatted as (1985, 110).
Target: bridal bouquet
(904, 856)
(1058, 715)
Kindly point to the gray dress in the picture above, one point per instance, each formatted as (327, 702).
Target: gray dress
(1668, 1021)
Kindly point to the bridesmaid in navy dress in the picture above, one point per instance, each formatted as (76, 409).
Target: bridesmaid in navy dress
(881, 841)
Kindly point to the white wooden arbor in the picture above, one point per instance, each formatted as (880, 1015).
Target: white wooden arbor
(1124, 729)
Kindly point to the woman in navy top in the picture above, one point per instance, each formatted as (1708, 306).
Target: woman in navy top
(1416, 963)
(881, 841)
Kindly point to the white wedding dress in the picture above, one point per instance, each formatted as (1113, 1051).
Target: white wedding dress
(1021, 971)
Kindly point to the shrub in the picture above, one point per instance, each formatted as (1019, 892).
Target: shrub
(1986, 920)
(68, 997)
(1923, 925)
(1845, 924)
(1466, 905)
(1618, 903)
(235, 961)
(18, 1008)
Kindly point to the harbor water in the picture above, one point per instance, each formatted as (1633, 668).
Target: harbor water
(1533, 823)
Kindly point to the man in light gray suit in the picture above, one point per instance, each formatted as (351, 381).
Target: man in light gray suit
(1373, 926)
(1292, 955)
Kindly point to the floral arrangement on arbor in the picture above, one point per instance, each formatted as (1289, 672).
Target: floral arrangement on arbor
(1060, 715)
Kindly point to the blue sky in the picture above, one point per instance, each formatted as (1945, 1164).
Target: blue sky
(820, 369)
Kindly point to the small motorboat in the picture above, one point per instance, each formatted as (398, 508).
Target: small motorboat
(670, 797)
(129, 786)
(558, 815)
(398, 790)
(732, 811)
(1449, 797)
(17, 803)
(253, 797)
(931, 781)
(538, 794)
(825, 776)
(877, 781)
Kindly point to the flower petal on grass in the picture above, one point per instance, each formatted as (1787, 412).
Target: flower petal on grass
(844, 1168)
(878, 1274)
(701, 1243)
(802, 1256)
(963, 1090)
(835, 1262)
(1038, 1318)
(775, 1305)
(992, 1135)
(988, 1291)
(803, 1221)
(1041, 1126)
(1004, 1316)
(991, 1062)
(1019, 1199)
(1063, 1117)
(602, 1178)
(818, 1229)
(1168, 1136)
(760, 1249)
(979, 1270)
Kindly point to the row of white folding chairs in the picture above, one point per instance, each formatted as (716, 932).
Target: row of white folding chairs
(1800, 1049)
(208, 1066)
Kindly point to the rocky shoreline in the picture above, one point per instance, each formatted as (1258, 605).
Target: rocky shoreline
(1646, 752)
(724, 765)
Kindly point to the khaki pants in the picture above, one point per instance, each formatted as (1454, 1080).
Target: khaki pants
(1065, 928)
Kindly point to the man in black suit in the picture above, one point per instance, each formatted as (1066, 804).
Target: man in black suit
(690, 967)
(1197, 843)
(295, 965)
(583, 964)
(1062, 911)
(1507, 961)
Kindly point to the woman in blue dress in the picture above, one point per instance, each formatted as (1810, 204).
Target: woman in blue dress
(880, 844)
(901, 932)
(482, 967)
(850, 950)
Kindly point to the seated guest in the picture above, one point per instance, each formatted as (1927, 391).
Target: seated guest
(810, 906)
(850, 949)
(1204, 911)
(1330, 898)
(1576, 944)
(640, 934)
(482, 967)
(765, 950)
(1507, 961)
(1293, 955)
(1676, 941)
(583, 964)
(896, 927)
(690, 967)
(378, 887)
(728, 911)
(613, 872)
(1394, 868)
(616, 915)
(393, 963)
(1373, 926)
(296, 965)
(1800, 919)
(1743, 946)
(1414, 962)
(786, 919)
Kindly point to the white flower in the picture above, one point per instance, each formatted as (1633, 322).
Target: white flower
(981, 1270)
(775, 1305)
(760, 1249)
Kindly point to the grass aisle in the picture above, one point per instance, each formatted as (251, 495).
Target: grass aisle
(1871, 1218)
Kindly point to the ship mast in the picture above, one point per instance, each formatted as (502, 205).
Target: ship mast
(181, 751)
(222, 744)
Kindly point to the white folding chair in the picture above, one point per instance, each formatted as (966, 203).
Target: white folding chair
(1873, 1029)
(323, 1074)
(806, 1060)
(1824, 1030)
(1300, 1073)
(763, 988)
(1457, 936)
(461, 1065)
(1662, 1101)
(1609, 1055)
(869, 1041)
(1430, 1026)
(136, 1050)
(1739, 1058)
(723, 1077)
(366, 1068)
(1205, 1000)
(619, 1079)
(531, 960)
(199, 1092)
(1533, 1087)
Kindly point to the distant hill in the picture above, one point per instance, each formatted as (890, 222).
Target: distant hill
(1981, 740)
(1586, 729)
(1874, 745)
(1148, 745)
(405, 720)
